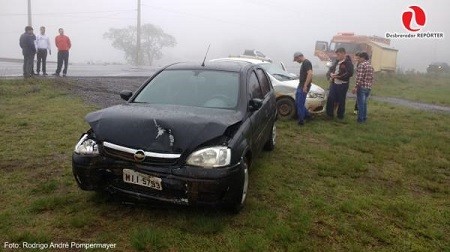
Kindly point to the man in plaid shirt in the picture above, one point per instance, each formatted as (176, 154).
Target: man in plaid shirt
(364, 81)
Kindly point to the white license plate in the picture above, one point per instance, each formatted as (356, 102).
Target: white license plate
(137, 178)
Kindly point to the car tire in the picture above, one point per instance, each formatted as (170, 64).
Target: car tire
(237, 199)
(286, 108)
(270, 144)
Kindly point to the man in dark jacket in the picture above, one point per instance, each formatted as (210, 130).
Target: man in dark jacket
(340, 74)
(28, 51)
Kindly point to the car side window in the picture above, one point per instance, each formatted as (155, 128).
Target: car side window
(263, 81)
(254, 88)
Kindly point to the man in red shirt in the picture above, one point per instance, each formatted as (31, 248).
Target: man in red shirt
(63, 44)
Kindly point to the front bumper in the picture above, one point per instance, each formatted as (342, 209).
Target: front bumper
(184, 185)
(315, 105)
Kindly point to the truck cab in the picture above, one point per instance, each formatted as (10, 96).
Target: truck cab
(383, 56)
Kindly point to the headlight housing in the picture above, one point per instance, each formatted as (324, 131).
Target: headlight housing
(211, 157)
(314, 95)
(86, 146)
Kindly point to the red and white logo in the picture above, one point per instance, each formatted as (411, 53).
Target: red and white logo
(414, 19)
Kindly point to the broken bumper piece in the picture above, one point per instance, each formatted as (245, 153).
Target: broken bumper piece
(183, 185)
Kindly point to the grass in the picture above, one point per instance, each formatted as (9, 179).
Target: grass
(330, 185)
(427, 88)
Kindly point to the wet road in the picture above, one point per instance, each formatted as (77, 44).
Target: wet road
(101, 84)
(412, 104)
(104, 92)
(14, 69)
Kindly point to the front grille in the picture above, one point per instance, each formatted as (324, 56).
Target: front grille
(128, 154)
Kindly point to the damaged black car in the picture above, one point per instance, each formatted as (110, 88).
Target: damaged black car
(188, 136)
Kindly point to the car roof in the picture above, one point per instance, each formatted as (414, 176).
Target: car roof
(233, 66)
(241, 59)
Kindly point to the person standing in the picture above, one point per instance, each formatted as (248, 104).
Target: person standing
(304, 85)
(340, 74)
(26, 42)
(364, 81)
(355, 110)
(63, 44)
(42, 45)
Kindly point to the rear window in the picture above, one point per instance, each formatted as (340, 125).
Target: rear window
(197, 88)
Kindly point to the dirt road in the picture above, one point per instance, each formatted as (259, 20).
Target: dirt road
(102, 91)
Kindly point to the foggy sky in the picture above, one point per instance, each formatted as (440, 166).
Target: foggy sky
(277, 28)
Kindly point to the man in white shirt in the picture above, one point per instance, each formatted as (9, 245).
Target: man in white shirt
(42, 45)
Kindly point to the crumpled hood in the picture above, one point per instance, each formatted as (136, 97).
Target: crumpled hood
(294, 84)
(160, 128)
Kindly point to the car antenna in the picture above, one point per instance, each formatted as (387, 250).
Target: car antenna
(203, 64)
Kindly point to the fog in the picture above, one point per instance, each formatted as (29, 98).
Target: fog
(277, 28)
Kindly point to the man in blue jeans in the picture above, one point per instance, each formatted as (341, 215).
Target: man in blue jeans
(340, 73)
(364, 81)
(304, 85)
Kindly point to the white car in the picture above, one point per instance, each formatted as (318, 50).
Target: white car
(285, 85)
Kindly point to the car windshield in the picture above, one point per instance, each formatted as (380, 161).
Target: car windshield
(277, 72)
(197, 88)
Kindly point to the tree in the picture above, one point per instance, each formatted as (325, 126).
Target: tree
(153, 39)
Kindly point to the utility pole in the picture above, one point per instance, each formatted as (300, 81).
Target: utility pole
(138, 34)
(29, 12)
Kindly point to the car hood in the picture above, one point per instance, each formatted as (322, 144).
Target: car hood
(160, 128)
(294, 84)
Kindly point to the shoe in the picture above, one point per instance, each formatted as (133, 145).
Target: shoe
(44, 74)
(64, 75)
(55, 74)
(301, 123)
(355, 112)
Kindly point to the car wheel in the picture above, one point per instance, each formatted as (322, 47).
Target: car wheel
(270, 144)
(286, 108)
(237, 200)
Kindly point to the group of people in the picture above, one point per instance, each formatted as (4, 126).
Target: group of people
(339, 76)
(39, 45)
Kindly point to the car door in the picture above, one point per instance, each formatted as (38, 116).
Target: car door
(257, 116)
(269, 105)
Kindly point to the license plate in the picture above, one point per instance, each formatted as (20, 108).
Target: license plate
(137, 178)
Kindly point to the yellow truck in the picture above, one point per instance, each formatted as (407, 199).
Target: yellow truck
(383, 56)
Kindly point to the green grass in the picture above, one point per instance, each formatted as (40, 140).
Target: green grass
(427, 88)
(330, 185)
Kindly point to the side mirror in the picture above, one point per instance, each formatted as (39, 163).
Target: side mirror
(126, 94)
(255, 104)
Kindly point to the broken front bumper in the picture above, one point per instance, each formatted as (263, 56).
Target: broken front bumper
(180, 184)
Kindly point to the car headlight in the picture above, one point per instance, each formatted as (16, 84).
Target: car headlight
(86, 146)
(312, 95)
(210, 157)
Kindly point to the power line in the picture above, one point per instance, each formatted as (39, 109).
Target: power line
(66, 13)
